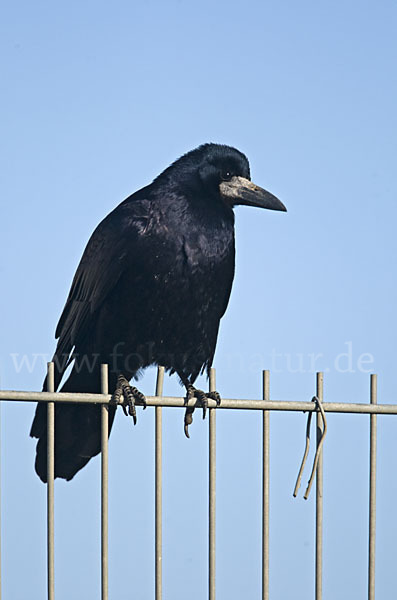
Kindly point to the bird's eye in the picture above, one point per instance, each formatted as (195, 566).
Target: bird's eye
(226, 175)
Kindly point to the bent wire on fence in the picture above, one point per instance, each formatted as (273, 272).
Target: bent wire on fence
(265, 406)
(306, 452)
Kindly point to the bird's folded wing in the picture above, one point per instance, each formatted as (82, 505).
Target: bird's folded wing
(105, 258)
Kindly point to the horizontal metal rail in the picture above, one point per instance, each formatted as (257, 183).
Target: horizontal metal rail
(175, 402)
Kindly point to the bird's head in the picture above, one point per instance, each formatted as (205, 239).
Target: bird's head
(224, 173)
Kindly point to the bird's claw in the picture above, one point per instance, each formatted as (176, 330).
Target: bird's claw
(131, 396)
(202, 398)
(215, 396)
(188, 420)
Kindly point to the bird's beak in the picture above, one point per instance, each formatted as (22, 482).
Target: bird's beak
(242, 191)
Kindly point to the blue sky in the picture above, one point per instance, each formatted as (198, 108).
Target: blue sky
(97, 99)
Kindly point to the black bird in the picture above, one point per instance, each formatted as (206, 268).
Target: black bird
(151, 288)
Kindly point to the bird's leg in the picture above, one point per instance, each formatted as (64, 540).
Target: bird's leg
(130, 394)
(202, 398)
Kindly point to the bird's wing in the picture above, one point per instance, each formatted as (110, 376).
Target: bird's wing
(103, 262)
(228, 269)
(224, 297)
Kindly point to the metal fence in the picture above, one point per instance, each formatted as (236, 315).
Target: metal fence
(265, 405)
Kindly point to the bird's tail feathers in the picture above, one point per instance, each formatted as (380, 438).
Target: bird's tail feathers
(77, 431)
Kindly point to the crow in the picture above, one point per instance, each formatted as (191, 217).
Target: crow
(151, 287)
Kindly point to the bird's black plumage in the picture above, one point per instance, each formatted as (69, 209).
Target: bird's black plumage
(151, 288)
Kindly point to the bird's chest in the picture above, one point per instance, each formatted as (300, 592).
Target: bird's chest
(178, 284)
(192, 260)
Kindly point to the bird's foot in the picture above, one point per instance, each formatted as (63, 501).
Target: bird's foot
(202, 398)
(131, 396)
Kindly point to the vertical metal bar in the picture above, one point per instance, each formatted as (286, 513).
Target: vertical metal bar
(50, 483)
(0, 492)
(265, 487)
(319, 497)
(158, 551)
(104, 485)
(211, 493)
(372, 493)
